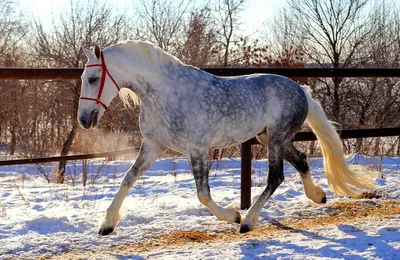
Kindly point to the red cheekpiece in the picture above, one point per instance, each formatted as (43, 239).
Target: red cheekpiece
(103, 79)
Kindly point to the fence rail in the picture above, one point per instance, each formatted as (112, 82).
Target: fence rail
(352, 133)
(300, 136)
(68, 157)
(74, 73)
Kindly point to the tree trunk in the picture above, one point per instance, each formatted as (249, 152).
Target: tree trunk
(398, 146)
(311, 148)
(84, 172)
(377, 146)
(13, 141)
(226, 55)
(359, 145)
(65, 150)
(71, 136)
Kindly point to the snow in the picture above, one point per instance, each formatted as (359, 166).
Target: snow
(163, 219)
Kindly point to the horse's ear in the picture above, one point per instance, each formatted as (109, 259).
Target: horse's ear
(97, 51)
(88, 53)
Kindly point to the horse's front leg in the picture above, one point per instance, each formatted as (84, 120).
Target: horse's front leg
(148, 153)
(199, 164)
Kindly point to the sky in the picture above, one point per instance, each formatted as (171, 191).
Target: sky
(254, 15)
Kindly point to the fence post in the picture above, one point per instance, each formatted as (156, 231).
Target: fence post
(245, 184)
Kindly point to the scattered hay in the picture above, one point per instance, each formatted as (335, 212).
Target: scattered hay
(338, 213)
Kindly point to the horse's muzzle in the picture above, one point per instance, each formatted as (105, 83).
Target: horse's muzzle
(88, 120)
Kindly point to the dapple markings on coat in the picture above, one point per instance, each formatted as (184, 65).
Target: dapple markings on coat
(191, 111)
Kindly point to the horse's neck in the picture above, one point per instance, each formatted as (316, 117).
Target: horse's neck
(152, 74)
(132, 68)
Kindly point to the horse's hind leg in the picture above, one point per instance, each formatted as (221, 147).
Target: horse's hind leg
(149, 152)
(275, 178)
(199, 164)
(299, 161)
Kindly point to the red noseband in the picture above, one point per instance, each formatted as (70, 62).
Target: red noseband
(104, 72)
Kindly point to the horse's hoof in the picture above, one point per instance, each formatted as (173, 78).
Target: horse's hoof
(105, 231)
(323, 201)
(238, 218)
(244, 229)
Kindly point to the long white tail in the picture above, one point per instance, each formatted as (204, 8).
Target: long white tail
(342, 178)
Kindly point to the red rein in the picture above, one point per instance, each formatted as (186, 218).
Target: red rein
(104, 72)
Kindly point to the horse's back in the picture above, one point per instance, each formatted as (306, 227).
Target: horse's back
(273, 97)
(255, 102)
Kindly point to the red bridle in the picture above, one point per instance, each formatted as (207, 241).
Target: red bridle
(104, 72)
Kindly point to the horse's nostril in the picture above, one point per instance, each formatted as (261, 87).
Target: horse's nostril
(85, 122)
(82, 120)
(88, 120)
(94, 113)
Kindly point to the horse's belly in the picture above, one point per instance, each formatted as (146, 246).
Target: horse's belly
(235, 136)
(223, 142)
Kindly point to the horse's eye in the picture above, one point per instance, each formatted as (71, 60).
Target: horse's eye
(92, 80)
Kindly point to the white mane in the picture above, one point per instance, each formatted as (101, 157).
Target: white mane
(150, 55)
(126, 95)
(148, 52)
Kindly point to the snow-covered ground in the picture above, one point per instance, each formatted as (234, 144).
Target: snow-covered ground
(163, 219)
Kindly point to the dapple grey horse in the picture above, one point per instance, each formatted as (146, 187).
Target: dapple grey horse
(190, 111)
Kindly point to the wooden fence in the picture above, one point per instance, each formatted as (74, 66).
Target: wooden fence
(75, 73)
(246, 157)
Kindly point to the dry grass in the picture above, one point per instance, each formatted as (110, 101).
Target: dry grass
(338, 213)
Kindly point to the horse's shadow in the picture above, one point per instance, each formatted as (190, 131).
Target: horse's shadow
(347, 247)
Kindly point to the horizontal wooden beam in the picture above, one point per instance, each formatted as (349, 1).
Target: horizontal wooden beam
(309, 72)
(40, 74)
(301, 136)
(75, 73)
(68, 157)
(347, 134)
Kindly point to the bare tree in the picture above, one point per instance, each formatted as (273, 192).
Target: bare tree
(84, 23)
(200, 46)
(331, 34)
(348, 33)
(11, 26)
(383, 94)
(11, 31)
(163, 22)
(376, 101)
(227, 18)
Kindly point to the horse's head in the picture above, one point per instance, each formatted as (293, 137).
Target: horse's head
(98, 89)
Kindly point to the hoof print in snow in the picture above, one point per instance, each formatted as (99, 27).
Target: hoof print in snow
(105, 231)
(244, 229)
